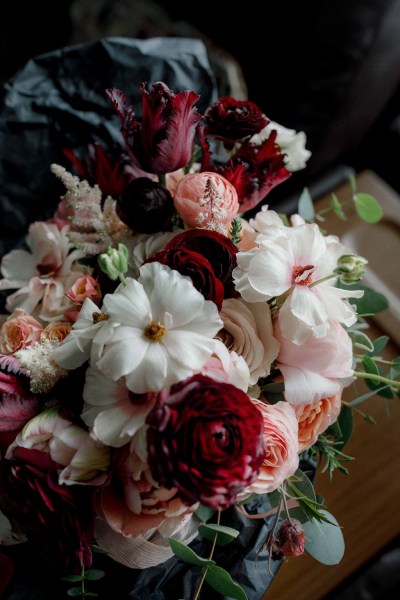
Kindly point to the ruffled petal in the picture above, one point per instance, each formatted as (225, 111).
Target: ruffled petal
(304, 387)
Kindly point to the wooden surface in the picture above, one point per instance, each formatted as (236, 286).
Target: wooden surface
(365, 503)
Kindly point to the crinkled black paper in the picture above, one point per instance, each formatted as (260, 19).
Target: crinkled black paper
(58, 101)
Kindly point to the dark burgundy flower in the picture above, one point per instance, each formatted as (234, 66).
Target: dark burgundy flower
(163, 141)
(291, 538)
(145, 206)
(58, 519)
(207, 257)
(233, 120)
(253, 170)
(205, 439)
(105, 169)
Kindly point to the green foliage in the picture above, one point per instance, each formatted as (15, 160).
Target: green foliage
(324, 539)
(371, 303)
(330, 449)
(336, 207)
(367, 207)
(220, 533)
(187, 554)
(204, 513)
(222, 582)
(235, 230)
(301, 489)
(305, 206)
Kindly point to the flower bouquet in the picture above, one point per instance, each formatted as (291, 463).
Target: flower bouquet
(169, 368)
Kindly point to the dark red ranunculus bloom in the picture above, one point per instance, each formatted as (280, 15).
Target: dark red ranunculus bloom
(207, 257)
(102, 168)
(206, 439)
(58, 519)
(233, 120)
(253, 170)
(163, 141)
(145, 206)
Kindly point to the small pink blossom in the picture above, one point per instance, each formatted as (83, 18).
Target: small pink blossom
(85, 287)
(206, 200)
(18, 331)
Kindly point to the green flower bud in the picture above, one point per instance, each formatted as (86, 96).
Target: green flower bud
(114, 262)
(350, 268)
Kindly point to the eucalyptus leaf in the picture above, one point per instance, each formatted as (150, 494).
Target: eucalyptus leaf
(73, 578)
(337, 208)
(204, 513)
(371, 303)
(94, 574)
(224, 534)
(303, 484)
(394, 368)
(74, 592)
(187, 554)
(379, 345)
(361, 340)
(222, 582)
(345, 421)
(367, 207)
(324, 541)
(305, 206)
(364, 397)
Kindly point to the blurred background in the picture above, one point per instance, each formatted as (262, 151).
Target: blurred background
(331, 69)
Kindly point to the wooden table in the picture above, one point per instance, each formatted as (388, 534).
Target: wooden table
(365, 503)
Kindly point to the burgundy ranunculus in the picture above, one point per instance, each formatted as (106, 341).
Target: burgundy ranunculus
(100, 167)
(58, 519)
(163, 141)
(206, 439)
(145, 206)
(253, 170)
(233, 120)
(207, 257)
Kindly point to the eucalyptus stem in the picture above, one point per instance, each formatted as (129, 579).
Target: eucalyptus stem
(83, 591)
(209, 558)
(374, 377)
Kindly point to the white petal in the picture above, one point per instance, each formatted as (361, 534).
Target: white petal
(337, 308)
(189, 350)
(151, 374)
(129, 304)
(304, 387)
(123, 357)
(270, 273)
(306, 306)
(17, 268)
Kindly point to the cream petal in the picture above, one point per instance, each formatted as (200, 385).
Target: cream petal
(129, 305)
(123, 357)
(152, 372)
(304, 387)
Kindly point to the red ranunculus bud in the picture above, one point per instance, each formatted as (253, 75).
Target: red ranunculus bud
(291, 538)
(145, 206)
(232, 120)
(206, 439)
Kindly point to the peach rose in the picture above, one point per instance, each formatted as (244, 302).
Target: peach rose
(315, 418)
(206, 200)
(58, 330)
(282, 446)
(85, 287)
(248, 332)
(18, 332)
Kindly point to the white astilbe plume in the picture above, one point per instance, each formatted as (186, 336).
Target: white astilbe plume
(94, 224)
(37, 359)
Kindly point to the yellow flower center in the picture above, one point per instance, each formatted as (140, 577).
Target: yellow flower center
(154, 331)
(98, 316)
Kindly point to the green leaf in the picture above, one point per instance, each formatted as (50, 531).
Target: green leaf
(324, 541)
(204, 513)
(361, 340)
(275, 387)
(345, 421)
(94, 574)
(394, 368)
(73, 578)
(364, 397)
(371, 367)
(274, 498)
(303, 484)
(337, 208)
(222, 582)
(371, 303)
(379, 345)
(224, 534)
(74, 592)
(306, 206)
(368, 208)
(187, 554)
(352, 181)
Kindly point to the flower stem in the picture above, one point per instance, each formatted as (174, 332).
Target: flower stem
(162, 179)
(209, 558)
(332, 276)
(374, 377)
(122, 278)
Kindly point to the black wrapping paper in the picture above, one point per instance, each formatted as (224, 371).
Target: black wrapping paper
(58, 101)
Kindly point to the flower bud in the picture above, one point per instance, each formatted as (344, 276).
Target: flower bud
(291, 538)
(114, 262)
(350, 268)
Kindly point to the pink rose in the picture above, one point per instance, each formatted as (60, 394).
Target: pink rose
(19, 331)
(281, 447)
(85, 287)
(206, 200)
(315, 418)
(58, 330)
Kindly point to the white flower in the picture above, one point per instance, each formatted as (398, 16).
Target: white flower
(287, 262)
(113, 413)
(44, 274)
(292, 143)
(37, 359)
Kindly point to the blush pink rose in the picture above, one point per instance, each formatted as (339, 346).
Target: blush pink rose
(281, 447)
(315, 418)
(57, 330)
(206, 200)
(85, 287)
(19, 331)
